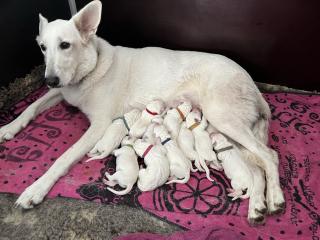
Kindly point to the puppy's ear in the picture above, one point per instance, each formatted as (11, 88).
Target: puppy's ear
(42, 23)
(88, 19)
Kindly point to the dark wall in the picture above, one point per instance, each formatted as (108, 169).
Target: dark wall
(276, 41)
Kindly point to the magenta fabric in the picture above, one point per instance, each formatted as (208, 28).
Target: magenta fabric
(199, 204)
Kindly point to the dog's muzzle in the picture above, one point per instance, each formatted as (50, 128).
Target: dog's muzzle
(52, 81)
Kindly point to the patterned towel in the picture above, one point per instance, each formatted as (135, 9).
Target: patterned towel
(199, 204)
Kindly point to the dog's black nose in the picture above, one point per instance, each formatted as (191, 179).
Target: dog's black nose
(52, 81)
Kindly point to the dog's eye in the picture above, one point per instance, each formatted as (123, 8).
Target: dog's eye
(64, 45)
(43, 47)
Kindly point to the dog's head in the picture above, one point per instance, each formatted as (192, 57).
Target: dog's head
(69, 47)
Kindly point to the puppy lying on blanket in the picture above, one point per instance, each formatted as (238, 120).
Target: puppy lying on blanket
(180, 166)
(235, 168)
(157, 171)
(203, 143)
(175, 117)
(153, 110)
(114, 134)
(127, 168)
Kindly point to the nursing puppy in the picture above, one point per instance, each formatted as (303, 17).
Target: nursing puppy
(127, 168)
(180, 166)
(202, 139)
(111, 139)
(157, 171)
(187, 145)
(235, 168)
(175, 117)
(153, 110)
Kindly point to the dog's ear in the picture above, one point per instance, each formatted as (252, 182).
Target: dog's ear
(88, 19)
(42, 23)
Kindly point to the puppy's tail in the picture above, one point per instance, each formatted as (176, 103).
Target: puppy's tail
(183, 180)
(206, 169)
(122, 192)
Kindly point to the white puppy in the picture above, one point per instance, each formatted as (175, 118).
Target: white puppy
(127, 168)
(153, 110)
(119, 128)
(203, 143)
(180, 166)
(175, 116)
(157, 171)
(235, 168)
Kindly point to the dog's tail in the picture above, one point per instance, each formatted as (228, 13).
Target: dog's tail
(205, 167)
(122, 192)
(260, 127)
(183, 180)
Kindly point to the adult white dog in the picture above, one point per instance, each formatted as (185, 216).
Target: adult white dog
(104, 82)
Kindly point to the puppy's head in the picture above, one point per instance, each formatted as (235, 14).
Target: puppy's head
(161, 131)
(140, 146)
(193, 117)
(128, 140)
(69, 47)
(156, 106)
(185, 107)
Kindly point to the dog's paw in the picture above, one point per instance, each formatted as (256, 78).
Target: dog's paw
(275, 200)
(32, 196)
(257, 210)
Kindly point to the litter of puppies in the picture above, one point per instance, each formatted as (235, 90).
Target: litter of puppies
(169, 141)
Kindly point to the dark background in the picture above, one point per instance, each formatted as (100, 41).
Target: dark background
(275, 41)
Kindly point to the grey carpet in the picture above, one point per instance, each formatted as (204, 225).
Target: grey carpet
(63, 218)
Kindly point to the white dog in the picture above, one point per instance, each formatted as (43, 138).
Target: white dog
(119, 128)
(234, 167)
(152, 111)
(105, 81)
(175, 117)
(157, 171)
(180, 166)
(198, 125)
(127, 168)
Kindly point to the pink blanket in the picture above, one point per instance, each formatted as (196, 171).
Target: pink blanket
(199, 204)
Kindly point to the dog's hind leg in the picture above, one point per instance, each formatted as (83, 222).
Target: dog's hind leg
(51, 98)
(231, 125)
(35, 193)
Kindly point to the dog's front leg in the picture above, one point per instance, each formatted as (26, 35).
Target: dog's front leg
(35, 193)
(51, 98)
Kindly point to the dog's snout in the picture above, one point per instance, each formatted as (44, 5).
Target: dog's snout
(52, 81)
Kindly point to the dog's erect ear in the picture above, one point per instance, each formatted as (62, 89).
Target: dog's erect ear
(42, 23)
(88, 19)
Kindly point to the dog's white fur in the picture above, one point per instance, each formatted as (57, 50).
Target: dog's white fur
(127, 168)
(157, 169)
(139, 128)
(104, 81)
(234, 166)
(202, 139)
(113, 135)
(173, 120)
(180, 166)
(186, 143)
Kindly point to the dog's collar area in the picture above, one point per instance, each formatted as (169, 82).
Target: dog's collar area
(165, 141)
(193, 126)
(147, 151)
(124, 122)
(180, 114)
(223, 149)
(151, 113)
(127, 145)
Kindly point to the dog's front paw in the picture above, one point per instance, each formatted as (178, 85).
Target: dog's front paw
(32, 196)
